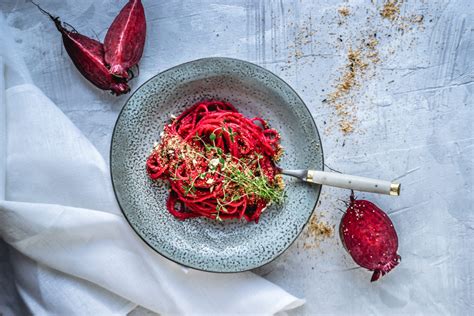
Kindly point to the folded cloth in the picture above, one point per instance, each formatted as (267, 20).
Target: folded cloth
(71, 249)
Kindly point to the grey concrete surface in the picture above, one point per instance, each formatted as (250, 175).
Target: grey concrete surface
(413, 110)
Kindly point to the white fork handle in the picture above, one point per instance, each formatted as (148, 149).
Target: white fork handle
(346, 181)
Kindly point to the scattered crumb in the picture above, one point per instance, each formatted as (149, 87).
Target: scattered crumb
(372, 43)
(342, 98)
(316, 231)
(417, 18)
(346, 126)
(318, 228)
(344, 11)
(391, 9)
(361, 46)
(302, 43)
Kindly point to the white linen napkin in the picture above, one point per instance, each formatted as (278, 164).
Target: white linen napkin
(71, 249)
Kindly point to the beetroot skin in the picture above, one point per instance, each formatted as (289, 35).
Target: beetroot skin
(368, 235)
(125, 39)
(87, 55)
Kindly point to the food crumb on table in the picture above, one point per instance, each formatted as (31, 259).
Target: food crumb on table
(391, 9)
(344, 11)
(316, 231)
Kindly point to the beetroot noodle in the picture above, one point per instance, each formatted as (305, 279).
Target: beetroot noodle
(220, 164)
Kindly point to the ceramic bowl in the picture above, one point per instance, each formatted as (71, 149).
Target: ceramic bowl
(229, 246)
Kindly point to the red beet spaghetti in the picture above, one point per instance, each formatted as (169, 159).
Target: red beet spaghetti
(220, 164)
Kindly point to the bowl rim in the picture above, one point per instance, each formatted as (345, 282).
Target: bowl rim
(305, 107)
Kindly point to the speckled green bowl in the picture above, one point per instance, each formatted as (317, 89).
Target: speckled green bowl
(229, 246)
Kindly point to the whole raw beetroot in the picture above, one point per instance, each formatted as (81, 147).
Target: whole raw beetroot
(125, 39)
(368, 235)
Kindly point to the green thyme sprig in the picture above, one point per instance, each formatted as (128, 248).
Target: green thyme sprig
(240, 173)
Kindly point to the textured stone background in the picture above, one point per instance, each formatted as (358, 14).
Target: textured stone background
(414, 112)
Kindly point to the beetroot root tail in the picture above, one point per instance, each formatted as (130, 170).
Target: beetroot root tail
(377, 275)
